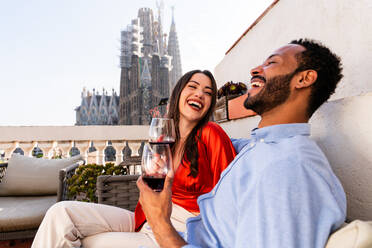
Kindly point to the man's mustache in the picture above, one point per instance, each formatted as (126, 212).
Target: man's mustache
(259, 77)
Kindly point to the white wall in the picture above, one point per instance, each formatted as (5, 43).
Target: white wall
(343, 130)
(343, 126)
(343, 25)
(240, 128)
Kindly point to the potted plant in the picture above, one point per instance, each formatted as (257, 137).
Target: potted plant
(231, 90)
(82, 185)
(228, 91)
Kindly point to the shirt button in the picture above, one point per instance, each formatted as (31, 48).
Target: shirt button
(251, 144)
(262, 140)
(213, 192)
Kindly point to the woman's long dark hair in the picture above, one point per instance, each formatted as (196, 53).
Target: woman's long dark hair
(191, 146)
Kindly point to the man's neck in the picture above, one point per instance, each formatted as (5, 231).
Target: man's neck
(283, 115)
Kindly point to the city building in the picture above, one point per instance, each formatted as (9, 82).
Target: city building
(150, 66)
(98, 109)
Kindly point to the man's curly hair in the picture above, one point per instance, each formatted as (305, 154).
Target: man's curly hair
(328, 66)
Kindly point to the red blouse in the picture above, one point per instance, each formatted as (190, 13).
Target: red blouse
(215, 154)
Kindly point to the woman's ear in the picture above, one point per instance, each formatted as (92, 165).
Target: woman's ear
(306, 79)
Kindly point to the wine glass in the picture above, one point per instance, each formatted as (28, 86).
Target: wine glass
(156, 163)
(162, 131)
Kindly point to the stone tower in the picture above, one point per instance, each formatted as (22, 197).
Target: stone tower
(150, 66)
(145, 67)
(174, 51)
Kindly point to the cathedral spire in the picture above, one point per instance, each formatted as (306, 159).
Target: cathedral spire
(172, 15)
(145, 75)
(160, 6)
(174, 51)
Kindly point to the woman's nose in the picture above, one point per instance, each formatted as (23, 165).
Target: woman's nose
(199, 93)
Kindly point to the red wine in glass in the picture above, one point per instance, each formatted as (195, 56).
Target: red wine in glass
(156, 162)
(157, 184)
(164, 142)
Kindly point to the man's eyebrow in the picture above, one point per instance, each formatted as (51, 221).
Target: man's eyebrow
(199, 84)
(272, 55)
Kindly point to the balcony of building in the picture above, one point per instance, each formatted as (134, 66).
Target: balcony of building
(97, 144)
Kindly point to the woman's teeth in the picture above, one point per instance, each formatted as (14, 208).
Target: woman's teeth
(194, 104)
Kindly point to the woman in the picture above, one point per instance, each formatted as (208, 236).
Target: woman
(210, 151)
(201, 152)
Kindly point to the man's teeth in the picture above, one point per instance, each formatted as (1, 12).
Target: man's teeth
(257, 84)
(195, 104)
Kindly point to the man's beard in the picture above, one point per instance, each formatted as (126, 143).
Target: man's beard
(275, 92)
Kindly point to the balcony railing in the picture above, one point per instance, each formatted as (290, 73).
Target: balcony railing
(60, 140)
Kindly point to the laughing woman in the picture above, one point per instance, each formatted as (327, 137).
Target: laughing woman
(202, 150)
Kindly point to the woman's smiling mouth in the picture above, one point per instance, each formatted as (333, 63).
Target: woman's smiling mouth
(195, 104)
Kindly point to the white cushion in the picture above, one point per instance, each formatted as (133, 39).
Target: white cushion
(33, 176)
(23, 213)
(357, 234)
(119, 239)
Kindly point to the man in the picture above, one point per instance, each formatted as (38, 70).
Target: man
(280, 190)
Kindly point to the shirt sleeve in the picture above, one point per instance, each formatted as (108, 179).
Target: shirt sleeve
(220, 150)
(291, 207)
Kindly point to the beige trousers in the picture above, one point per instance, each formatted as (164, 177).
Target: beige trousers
(76, 224)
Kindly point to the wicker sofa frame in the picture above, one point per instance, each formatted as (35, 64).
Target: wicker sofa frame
(120, 191)
(3, 167)
(64, 175)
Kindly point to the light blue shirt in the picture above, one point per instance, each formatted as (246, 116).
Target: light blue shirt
(279, 191)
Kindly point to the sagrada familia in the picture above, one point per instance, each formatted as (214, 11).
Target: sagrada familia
(150, 67)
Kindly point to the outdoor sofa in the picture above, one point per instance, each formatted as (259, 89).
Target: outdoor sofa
(28, 188)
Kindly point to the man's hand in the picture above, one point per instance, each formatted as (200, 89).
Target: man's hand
(157, 207)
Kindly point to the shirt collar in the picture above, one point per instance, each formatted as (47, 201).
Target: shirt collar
(277, 132)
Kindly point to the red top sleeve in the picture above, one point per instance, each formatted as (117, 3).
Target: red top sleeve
(215, 154)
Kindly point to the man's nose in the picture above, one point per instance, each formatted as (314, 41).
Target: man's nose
(257, 70)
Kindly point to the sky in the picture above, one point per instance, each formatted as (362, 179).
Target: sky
(51, 49)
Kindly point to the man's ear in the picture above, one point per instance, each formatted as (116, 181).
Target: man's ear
(306, 79)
